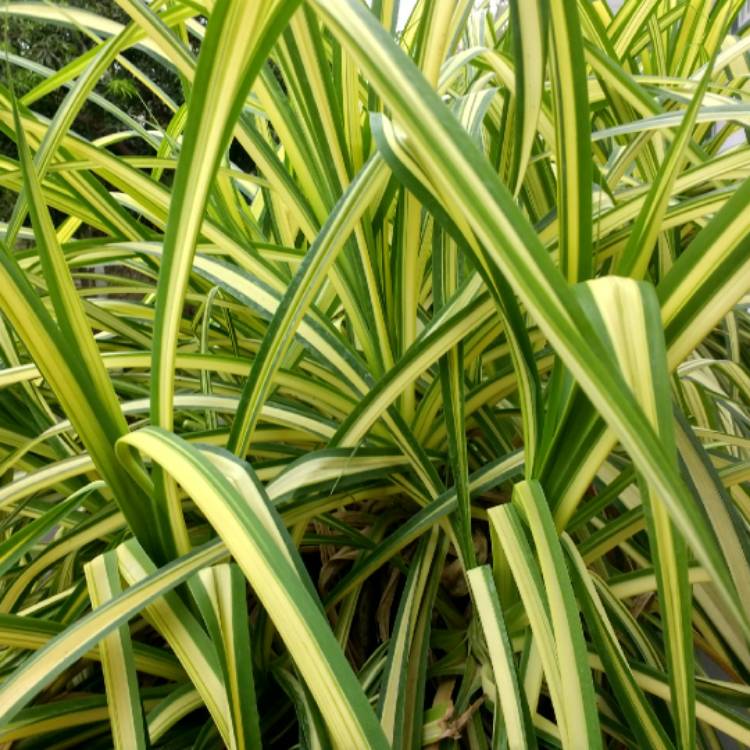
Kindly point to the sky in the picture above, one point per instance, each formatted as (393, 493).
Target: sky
(404, 9)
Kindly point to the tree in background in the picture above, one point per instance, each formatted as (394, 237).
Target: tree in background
(37, 48)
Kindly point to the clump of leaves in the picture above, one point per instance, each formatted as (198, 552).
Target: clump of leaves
(392, 392)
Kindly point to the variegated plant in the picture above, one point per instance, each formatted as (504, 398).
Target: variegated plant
(429, 426)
